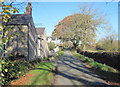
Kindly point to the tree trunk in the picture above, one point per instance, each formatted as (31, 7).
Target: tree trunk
(75, 45)
(83, 49)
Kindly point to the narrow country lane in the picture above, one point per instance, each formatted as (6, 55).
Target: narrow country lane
(72, 71)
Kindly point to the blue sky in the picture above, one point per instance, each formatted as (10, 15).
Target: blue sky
(48, 14)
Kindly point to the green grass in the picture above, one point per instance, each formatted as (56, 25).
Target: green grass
(93, 63)
(60, 53)
(99, 51)
(41, 75)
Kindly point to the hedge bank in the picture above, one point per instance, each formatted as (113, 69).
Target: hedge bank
(109, 58)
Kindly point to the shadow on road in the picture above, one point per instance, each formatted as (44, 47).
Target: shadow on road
(70, 67)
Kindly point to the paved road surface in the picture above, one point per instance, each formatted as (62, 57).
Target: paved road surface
(72, 71)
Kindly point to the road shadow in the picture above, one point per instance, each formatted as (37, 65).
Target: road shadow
(86, 82)
(72, 62)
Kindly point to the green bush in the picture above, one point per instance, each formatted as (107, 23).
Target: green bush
(108, 43)
(67, 44)
(51, 45)
(60, 53)
(14, 70)
(92, 64)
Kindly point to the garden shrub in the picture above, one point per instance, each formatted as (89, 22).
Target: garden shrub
(14, 70)
(51, 45)
(60, 53)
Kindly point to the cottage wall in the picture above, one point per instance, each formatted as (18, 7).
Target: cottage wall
(23, 43)
(18, 44)
(0, 40)
(32, 44)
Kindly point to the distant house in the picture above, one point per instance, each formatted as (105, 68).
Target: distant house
(44, 51)
(27, 38)
(52, 39)
(41, 31)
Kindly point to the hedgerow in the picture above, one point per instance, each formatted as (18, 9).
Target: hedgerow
(109, 58)
(94, 64)
(12, 70)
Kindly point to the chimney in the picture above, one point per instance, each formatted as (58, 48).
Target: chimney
(29, 9)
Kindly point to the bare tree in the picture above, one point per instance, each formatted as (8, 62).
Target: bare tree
(81, 26)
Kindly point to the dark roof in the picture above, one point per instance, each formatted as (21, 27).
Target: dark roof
(40, 31)
(19, 19)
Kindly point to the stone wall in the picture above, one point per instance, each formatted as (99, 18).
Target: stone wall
(18, 44)
(32, 41)
(25, 43)
(0, 39)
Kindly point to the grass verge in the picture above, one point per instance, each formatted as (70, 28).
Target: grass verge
(41, 75)
(99, 51)
(60, 53)
(93, 63)
(109, 74)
